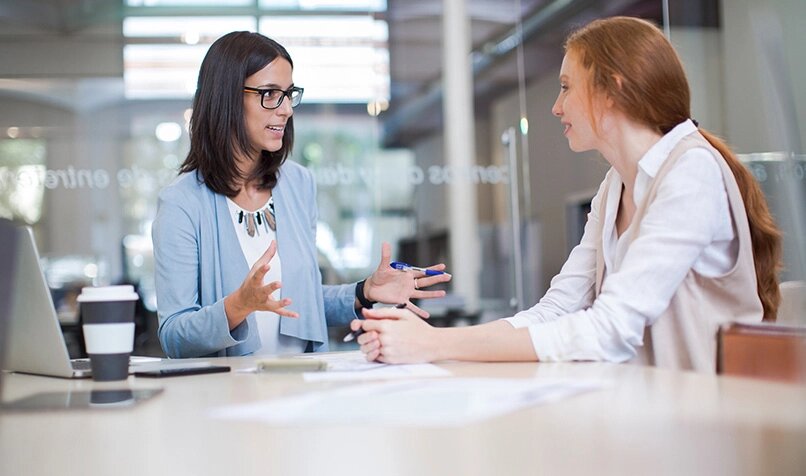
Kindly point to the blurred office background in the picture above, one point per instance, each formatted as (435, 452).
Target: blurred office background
(426, 123)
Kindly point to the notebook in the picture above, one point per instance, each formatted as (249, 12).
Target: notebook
(34, 340)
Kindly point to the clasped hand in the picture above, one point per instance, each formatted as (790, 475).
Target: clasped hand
(396, 336)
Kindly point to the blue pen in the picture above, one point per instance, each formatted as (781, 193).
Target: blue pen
(407, 267)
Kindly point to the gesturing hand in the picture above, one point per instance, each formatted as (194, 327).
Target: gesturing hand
(390, 286)
(253, 295)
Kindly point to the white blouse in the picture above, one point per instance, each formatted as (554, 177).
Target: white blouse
(688, 225)
(268, 322)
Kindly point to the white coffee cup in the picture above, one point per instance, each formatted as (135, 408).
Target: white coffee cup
(107, 315)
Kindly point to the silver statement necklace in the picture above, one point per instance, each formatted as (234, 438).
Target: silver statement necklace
(254, 221)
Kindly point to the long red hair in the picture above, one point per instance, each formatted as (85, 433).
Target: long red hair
(632, 62)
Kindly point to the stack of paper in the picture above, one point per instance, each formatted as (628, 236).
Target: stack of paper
(422, 402)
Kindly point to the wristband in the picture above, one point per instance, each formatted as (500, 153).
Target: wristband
(359, 294)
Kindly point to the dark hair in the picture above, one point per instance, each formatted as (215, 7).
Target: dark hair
(217, 130)
(632, 62)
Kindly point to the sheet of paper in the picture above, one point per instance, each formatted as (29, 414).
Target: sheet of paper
(345, 366)
(352, 366)
(142, 359)
(419, 403)
(345, 361)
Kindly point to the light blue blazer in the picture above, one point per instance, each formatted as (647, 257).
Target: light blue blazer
(199, 262)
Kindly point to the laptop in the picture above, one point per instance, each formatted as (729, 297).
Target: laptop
(34, 341)
(8, 243)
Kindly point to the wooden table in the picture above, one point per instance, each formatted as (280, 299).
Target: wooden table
(643, 421)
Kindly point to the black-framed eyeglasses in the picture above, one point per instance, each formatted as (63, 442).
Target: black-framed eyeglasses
(273, 98)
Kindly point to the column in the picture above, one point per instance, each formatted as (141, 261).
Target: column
(460, 152)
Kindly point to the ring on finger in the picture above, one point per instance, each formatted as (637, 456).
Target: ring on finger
(415, 284)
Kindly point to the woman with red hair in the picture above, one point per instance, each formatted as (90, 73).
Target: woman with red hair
(678, 241)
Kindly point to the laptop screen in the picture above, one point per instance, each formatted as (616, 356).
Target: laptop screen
(8, 254)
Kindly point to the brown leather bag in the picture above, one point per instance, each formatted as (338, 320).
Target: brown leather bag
(768, 351)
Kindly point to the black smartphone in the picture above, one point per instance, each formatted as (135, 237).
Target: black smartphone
(179, 371)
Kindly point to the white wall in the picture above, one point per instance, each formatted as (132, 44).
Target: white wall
(762, 104)
(430, 202)
(700, 50)
(94, 51)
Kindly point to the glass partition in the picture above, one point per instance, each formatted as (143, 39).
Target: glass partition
(748, 75)
(94, 123)
(83, 157)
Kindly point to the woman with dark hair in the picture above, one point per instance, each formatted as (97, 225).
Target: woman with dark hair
(239, 219)
(678, 241)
